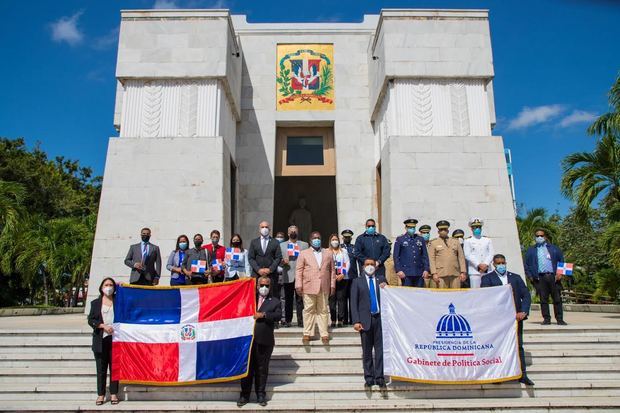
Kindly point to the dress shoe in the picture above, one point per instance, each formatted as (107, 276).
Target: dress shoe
(276, 325)
(300, 325)
(325, 340)
(380, 382)
(526, 380)
(369, 384)
(242, 401)
(562, 323)
(333, 325)
(305, 339)
(286, 324)
(546, 322)
(261, 401)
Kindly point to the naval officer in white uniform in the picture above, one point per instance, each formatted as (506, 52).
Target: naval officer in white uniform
(478, 252)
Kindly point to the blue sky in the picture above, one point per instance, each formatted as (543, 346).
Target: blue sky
(555, 60)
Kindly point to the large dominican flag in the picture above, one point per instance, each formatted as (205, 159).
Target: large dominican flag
(183, 335)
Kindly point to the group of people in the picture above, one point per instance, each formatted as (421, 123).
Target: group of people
(341, 283)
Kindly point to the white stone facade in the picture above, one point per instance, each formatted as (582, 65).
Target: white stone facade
(196, 93)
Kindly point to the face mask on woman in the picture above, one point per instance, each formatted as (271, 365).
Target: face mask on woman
(334, 243)
(280, 239)
(236, 244)
(108, 291)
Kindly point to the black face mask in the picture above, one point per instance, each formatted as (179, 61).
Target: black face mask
(347, 240)
(236, 244)
(292, 235)
(198, 244)
(145, 238)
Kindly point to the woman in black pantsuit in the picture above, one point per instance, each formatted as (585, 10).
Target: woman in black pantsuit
(100, 318)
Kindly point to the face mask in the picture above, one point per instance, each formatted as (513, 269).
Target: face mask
(145, 238)
(371, 230)
(183, 245)
(411, 231)
(426, 237)
(263, 290)
(108, 291)
(264, 232)
(369, 269)
(198, 244)
(335, 243)
(280, 239)
(316, 243)
(540, 240)
(501, 268)
(477, 232)
(236, 243)
(347, 240)
(215, 241)
(292, 235)
(461, 241)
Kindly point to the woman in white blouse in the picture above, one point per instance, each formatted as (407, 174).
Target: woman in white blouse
(237, 263)
(338, 306)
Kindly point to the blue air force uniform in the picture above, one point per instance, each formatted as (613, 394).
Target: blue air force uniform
(411, 257)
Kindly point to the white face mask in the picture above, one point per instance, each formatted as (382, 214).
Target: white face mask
(108, 291)
(335, 244)
(369, 269)
(263, 291)
(264, 232)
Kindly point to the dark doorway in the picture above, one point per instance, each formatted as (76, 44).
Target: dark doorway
(319, 193)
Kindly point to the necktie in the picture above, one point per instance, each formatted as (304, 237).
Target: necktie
(260, 302)
(144, 251)
(374, 307)
(264, 241)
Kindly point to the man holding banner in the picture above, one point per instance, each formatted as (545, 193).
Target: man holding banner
(522, 300)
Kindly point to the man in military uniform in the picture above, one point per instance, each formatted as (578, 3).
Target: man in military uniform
(373, 245)
(478, 252)
(411, 256)
(425, 233)
(459, 234)
(390, 272)
(447, 261)
(347, 236)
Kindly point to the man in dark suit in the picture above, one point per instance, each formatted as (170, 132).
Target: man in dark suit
(144, 259)
(268, 312)
(265, 255)
(366, 315)
(521, 297)
(373, 245)
(541, 264)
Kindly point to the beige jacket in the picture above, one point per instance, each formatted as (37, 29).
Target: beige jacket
(309, 278)
(446, 257)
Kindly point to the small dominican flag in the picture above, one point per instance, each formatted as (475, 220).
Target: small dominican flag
(232, 254)
(217, 265)
(293, 249)
(342, 267)
(166, 336)
(565, 268)
(198, 266)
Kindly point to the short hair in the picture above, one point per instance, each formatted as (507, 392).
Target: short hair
(264, 278)
(199, 235)
(544, 231)
(371, 259)
(315, 232)
(291, 227)
(103, 282)
(146, 228)
(215, 231)
(371, 220)
(498, 256)
(280, 233)
(176, 248)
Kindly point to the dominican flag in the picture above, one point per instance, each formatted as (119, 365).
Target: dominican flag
(233, 254)
(198, 334)
(342, 267)
(292, 249)
(565, 268)
(198, 266)
(217, 265)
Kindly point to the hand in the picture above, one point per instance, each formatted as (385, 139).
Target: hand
(463, 277)
(299, 292)
(521, 316)
(401, 275)
(358, 327)
(382, 285)
(258, 315)
(138, 266)
(426, 275)
(339, 277)
(558, 277)
(436, 278)
(483, 268)
(178, 270)
(155, 281)
(285, 261)
(108, 329)
(264, 272)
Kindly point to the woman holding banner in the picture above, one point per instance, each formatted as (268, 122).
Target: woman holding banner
(100, 318)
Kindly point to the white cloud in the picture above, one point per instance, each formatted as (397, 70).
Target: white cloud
(66, 29)
(165, 4)
(530, 116)
(577, 116)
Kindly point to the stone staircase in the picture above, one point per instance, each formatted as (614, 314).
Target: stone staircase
(575, 368)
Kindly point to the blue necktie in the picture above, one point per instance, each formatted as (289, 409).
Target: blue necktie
(144, 251)
(374, 307)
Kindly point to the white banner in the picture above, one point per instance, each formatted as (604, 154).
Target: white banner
(450, 336)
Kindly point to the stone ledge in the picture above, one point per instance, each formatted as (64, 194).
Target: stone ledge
(585, 308)
(18, 312)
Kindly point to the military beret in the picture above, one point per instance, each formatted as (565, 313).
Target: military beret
(443, 224)
(476, 222)
(347, 233)
(410, 222)
(458, 233)
(424, 229)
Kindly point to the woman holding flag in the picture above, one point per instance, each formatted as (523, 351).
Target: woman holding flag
(338, 303)
(236, 260)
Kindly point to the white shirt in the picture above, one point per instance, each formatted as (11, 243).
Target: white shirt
(503, 278)
(343, 256)
(478, 251)
(263, 242)
(318, 255)
(375, 282)
(107, 312)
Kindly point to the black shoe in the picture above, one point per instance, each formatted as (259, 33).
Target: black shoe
(286, 324)
(242, 401)
(526, 380)
(261, 401)
(300, 325)
(562, 323)
(546, 322)
(380, 382)
(369, 384)
(276, 325)
(333, 325)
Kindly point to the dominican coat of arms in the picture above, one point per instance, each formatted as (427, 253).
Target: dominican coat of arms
(305, 77)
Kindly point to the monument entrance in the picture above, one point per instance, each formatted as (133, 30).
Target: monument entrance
(305, 182)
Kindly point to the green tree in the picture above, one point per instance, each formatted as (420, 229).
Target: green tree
(609, 123)
(534, 219)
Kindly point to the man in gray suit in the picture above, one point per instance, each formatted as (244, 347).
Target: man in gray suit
(144, 259)
(289, 264)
